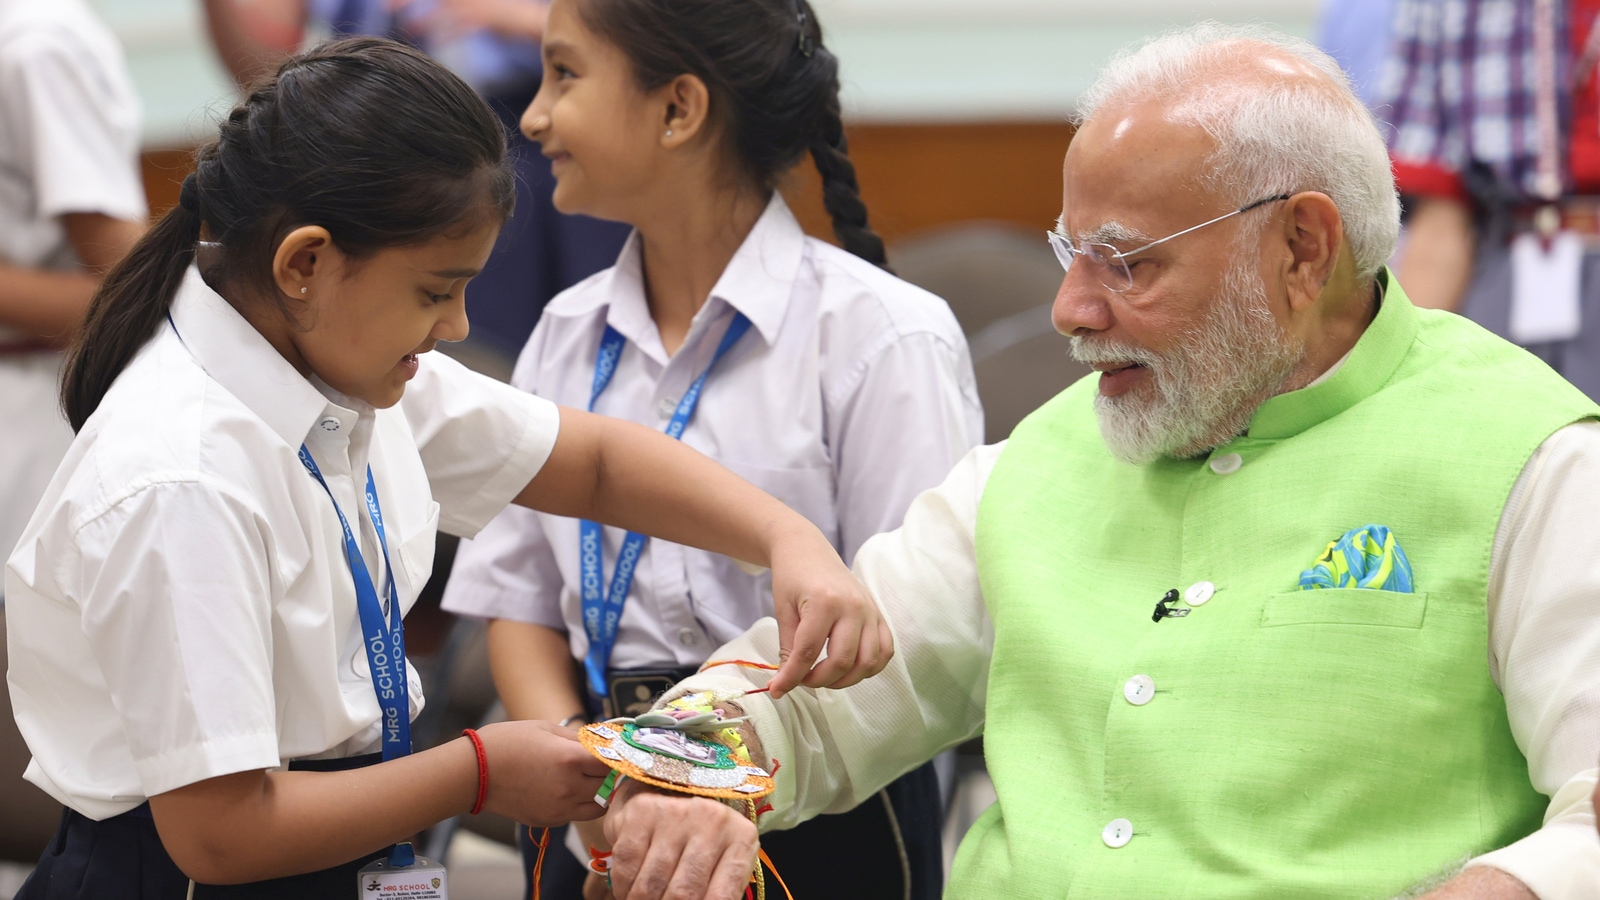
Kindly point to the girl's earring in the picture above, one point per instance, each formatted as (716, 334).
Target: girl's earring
(304, 290)
(669, 132)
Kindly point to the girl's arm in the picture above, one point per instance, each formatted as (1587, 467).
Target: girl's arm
(251, 826)
(253, 36)
(636, 478)
(533, 672)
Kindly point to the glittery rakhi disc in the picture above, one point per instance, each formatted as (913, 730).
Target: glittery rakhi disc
(675, 760)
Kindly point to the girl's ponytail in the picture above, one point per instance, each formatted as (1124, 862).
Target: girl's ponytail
(774, 88)
(318, 143)
(130, 305)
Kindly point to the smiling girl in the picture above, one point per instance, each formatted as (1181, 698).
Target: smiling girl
(207, 655)
(805, 367)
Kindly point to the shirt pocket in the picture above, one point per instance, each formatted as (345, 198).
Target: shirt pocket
(806, 490)
(416, 553)
(1345, 606)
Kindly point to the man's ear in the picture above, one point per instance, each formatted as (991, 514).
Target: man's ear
(306, 259)
(1314, 233)
(687, 105)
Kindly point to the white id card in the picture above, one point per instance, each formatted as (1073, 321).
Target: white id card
(425, 880)
(1545, 290)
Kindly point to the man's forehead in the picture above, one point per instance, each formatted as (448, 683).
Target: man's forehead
(1131, 168)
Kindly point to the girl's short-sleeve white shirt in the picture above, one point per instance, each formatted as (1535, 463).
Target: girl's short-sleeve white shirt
(180, 607)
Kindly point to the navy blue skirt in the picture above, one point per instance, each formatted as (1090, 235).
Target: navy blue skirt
(121, 858)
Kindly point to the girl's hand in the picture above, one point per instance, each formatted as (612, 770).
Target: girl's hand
(540, 775)
(818, 602)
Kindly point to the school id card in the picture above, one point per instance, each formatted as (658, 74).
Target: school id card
(422, 880)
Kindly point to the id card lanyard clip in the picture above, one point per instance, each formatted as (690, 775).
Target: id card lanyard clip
(602, 606)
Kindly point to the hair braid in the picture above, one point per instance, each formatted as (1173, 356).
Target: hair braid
(841, 193)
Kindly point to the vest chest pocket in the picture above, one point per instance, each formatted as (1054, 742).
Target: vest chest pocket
(1345, 606)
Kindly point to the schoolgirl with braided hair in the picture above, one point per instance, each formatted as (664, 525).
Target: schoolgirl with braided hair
(808, 368)
(205, 612)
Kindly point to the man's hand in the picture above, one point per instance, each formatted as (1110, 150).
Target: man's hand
(539, 774)
(817, 601)
(677, 847)
(1482, 883)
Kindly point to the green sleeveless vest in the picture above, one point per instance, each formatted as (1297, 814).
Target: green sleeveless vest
(1275, 742)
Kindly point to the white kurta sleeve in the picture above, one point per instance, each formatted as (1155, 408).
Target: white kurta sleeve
(1544, 648)
(837, 748)
(909, 416)
(481, 441)
(176, 604)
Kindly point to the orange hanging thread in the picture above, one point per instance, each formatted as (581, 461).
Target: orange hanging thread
(538, 862)
(768, 860)
(748, 664)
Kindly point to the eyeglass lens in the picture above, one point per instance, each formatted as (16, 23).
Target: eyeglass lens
(1103, 261)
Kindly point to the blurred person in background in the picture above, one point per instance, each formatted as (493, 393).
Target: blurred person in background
(1494, 108)
(494, 46)
(1356, 34)
(71, 204)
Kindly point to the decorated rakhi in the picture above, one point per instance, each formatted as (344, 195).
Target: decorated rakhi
(690, 747)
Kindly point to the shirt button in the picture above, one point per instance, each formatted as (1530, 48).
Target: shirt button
(1199, 592)
(1227, 463)
(669, 405)
(1118, 833)
(1139, 690)
(688, 637)
(330, 424)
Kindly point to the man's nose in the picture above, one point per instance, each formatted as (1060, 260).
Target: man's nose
(1081, 305)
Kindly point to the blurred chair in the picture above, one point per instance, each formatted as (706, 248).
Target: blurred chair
(999, 281)
(28, 816)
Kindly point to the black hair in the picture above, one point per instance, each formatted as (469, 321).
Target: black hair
(366, 137)
(774, 87)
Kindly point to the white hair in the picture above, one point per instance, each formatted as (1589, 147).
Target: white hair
(1295, 136)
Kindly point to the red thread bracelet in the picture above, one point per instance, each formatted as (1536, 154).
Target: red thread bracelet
(483, 769)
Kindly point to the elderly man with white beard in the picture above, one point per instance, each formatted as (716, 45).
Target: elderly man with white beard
(1295, 598)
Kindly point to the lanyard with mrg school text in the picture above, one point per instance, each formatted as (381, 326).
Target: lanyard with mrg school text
(602, 611)
(383, 637)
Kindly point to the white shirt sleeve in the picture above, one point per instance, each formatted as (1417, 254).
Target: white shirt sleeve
(481, 441)
(919, 389)
(83, 126)
(1544, 651)
(176, 605)
(838, 748)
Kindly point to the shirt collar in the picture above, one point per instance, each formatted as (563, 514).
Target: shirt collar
(236, 356)
(1365, 370)
(758, 282)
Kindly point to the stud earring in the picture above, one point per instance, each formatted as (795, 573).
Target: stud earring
(304, 290)
(669, 132)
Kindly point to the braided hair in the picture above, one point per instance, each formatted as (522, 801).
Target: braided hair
(774, 88)
(366, 137)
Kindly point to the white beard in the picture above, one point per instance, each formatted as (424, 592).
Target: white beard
(1202, 392)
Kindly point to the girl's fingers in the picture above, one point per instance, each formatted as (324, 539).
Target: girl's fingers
(799, 650)
(844, 643)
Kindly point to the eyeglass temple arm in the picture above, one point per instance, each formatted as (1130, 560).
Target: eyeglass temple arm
(1243, 209)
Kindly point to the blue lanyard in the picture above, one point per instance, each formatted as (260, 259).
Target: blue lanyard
(385, 640)
(602, 611)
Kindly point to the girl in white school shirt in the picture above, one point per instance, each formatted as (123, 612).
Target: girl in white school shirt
(191, 621)
(846, 393)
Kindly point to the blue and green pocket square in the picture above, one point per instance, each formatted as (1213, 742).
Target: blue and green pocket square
(1366, 557)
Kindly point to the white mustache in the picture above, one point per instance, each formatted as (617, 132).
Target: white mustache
(1093, 351)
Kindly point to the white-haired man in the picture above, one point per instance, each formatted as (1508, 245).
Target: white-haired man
(1112, 597)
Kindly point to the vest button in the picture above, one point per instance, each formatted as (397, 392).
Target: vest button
(1199, 592)
(1140, 689)
(1227, 463)
(1118, 833)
